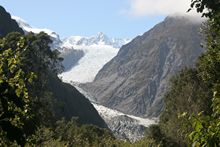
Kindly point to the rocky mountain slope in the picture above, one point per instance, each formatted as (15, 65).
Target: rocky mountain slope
(7, 24)
(135, 81)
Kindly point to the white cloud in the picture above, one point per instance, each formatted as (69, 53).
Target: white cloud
(158, 7)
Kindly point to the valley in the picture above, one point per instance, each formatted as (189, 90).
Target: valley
(125, 79)
(160, 87)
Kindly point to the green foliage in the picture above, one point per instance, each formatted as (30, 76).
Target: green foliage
(208, 8)
(188, 94)
(154, 132)
(39, 54)
(190, 116)
(71, 133)
(26, 102)
(206, 128)
(14, 96)
(39, 58)
(26, 66)
(208, 64)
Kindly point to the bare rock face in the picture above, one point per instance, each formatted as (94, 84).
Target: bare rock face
(136, 80)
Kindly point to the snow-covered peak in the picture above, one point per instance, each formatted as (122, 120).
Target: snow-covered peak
(27, 28)
(21, 22)
(101, 35)
(98, 39)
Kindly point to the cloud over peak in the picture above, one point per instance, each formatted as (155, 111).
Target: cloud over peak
(158, 7)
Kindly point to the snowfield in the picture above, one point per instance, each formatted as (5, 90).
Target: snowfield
(98, 50)
(88, 66)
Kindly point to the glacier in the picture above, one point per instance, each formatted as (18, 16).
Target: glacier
(123, 126)
(89, 54)
(98, 50)
(83, 58)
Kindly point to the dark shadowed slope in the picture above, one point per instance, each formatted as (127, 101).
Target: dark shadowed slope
(71, 103)
(7, 24)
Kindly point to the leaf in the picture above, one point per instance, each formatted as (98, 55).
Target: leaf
(191, 135)
(198, 126)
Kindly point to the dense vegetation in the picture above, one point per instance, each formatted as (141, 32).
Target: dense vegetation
(25, 101)
(27, 67)
(192, 105)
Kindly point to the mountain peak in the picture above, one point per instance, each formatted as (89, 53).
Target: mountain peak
(101, 34)
(135, 80)
(99, 39)
(27, 28)
(21, 22)
(196, 19)
(7, 24)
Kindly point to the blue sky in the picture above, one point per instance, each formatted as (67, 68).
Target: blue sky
(116, 18)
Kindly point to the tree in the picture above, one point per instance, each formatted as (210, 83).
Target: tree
(14, 96)
(26, 62)
(206, 128)
(209, 9)
(40, 59)
(187, 94)
(44, 62)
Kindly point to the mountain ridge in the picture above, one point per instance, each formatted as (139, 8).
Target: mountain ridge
(7, 24)
(134, 82)
(99, 38)
(83, 56)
